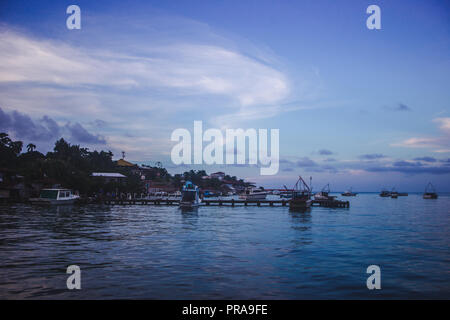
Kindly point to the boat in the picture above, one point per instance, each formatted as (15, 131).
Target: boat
(301, 196)
(324, 194)
(254, 194)
(286, 193)
(190, 198)
(394, 194)
(210, 194)
(349, 193)
(55, 197)
(384, 193)
(430, 192)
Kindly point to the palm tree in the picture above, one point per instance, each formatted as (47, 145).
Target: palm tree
(31, 147)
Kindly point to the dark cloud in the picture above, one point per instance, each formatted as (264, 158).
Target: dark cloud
(399, 107)
(99, 123)
(373, 156)
(402, 107)
(44, 129)
(80, 134)
(426, 159)
(403, 163)
(5, 120)
(287, 169)
(408, 167)
(25, 128)
(306, 162)
(412, 169)
(329, 169)
(325, 152)
(286, 161)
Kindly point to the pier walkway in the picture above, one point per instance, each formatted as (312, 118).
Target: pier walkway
(228, 202)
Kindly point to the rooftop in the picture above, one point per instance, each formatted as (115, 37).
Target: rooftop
(108, 174)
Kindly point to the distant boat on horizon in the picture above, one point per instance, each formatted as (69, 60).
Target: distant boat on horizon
(430, 192)
(349, 193)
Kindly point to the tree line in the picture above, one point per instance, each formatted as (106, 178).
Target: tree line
(71, 166)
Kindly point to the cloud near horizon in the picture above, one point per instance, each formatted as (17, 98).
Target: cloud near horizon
(440, 144)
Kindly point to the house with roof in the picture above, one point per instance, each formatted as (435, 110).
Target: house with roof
(109, 176)
(217, 175)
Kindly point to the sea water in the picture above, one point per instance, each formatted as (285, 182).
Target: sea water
(224, 252)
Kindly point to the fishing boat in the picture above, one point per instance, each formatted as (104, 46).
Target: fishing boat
(384, 193)
(430, 192)
(286, 193)
(55, 197)
(349, 193)
(254, 194)
(189, 196)
(301, 195)
(324, 194)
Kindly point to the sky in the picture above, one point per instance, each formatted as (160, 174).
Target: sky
(360, 108)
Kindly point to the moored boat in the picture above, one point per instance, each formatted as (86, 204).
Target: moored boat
(324, 194)
(430, 192)
(254, 194)
(190, 198)
(55, 197)
(301, 196)
(384, 193)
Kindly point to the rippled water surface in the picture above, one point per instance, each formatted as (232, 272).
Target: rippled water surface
(229, 253)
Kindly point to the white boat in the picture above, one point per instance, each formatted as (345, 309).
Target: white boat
(190, 197)
(55, 196)
(349, 193)
(324, 194)
(254, 194)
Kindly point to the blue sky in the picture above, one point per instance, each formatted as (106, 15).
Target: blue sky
(355, 107)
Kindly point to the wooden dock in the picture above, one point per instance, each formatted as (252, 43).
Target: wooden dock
(331, 203)
(228, 202)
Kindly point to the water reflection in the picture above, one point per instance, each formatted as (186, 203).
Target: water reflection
(223, 252)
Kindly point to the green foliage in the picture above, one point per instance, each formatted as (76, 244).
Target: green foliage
(9, 151)
(71, 166)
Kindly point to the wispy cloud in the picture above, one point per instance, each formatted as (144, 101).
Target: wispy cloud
(426, 159)
(372, 156)
(398, 107)
(325, 152)
(440, 144)
(184, 68)
(141, 87)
